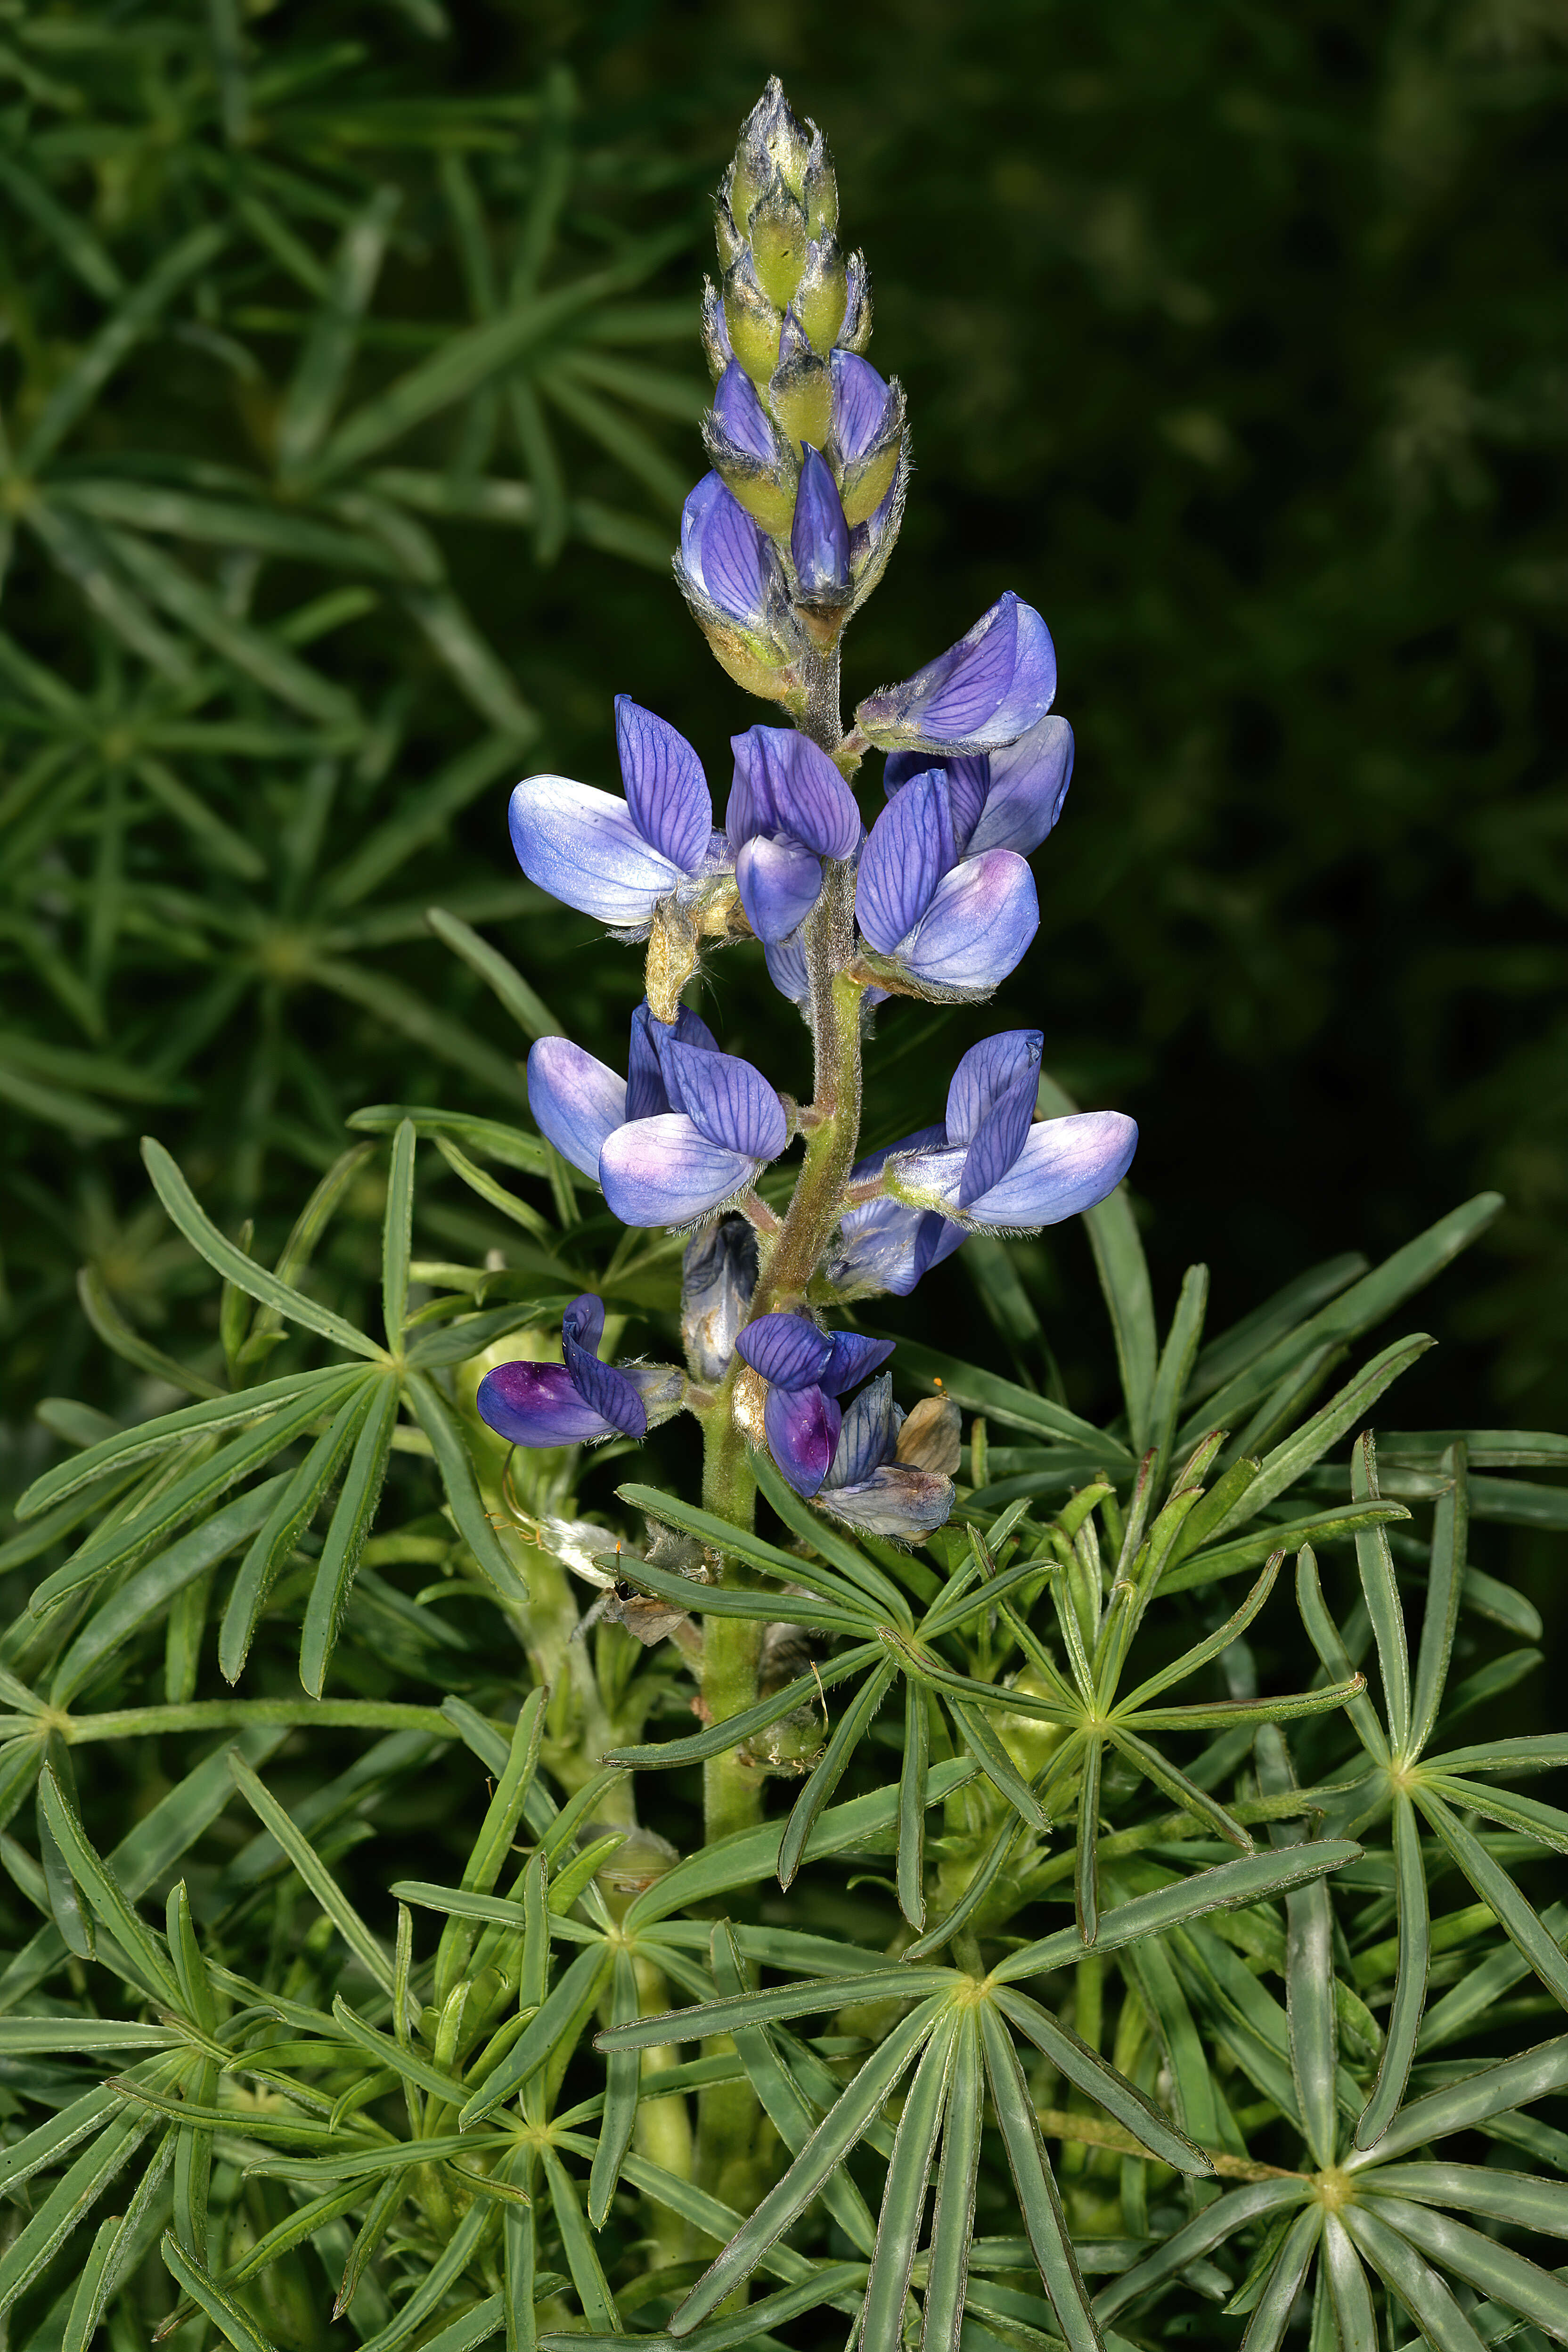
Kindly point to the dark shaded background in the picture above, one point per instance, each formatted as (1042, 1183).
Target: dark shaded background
(1233, 340)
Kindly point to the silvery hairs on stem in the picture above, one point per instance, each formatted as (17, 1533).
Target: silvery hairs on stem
(781, 543)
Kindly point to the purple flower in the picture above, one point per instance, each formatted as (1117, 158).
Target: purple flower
(807, 1370)
(789, 808)
(819, 535)
(958, 926)
(1009, 799)
(687, 1130)
(579, 1399)
(869, 1487)
(726, 566)
(1000, 1171)
(616, 859)
(578, 1102)
(981, 695)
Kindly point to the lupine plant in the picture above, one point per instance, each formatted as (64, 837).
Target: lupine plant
(1032, 1944)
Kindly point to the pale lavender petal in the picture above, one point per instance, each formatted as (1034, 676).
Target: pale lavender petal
(576, 1102)
(819, 536)
(780, 883)
(883, 1246)
(536, 1404)
(936, 1173)
(739, 412)
(986, 1074)
(861, 403)
(786, 960)
(1065, 1166)
(728, 1102)
(980, 922)
(667, 791)
(984, 692)
(909, 850)
(786, 1349)
(901, 1504)
(999, 1137)
(661, 1171)
(867, 1437)
(1028, 785)
(802, 1427)
(583, 848)
(854, 1357)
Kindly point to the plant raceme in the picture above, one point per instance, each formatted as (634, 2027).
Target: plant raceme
(935, 901)
(1118, 1884)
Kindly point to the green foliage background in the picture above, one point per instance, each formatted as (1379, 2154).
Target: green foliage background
(1233, 340)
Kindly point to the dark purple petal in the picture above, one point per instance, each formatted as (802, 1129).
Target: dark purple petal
(861, 404)
(819, 536)
(1028, 783)
(584, 846)
(786, 1349)
(724, 552)
(909, 848)
(984, 692)
(727, 1101)
(582, 1323)
(999, 1137)
(647, 1092)
(741, 416)
(867, 1437)
(978, 925)
(780, 883)
(536, 1404)
(1065, 1166)
(984, 1075)
(651, 1084)
(667, 791)
(661, 1171)
(854, 1358)
(901, 1504)
(576, 1102)
(786, 785)
(606, 1390)
(802, 1427)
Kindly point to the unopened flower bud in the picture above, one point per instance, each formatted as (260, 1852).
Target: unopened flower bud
(855, 331)
(867, 436)
(726, 236)
(819, 536)
(745, 446)
(718, 1275)
(779, 241)
(819, 189)
(821, 291)
(800, 391)
(716, 345)
(752, 321)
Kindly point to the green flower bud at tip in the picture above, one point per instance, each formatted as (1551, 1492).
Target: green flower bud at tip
(752, 321)
(821, 293)
(779, 241)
